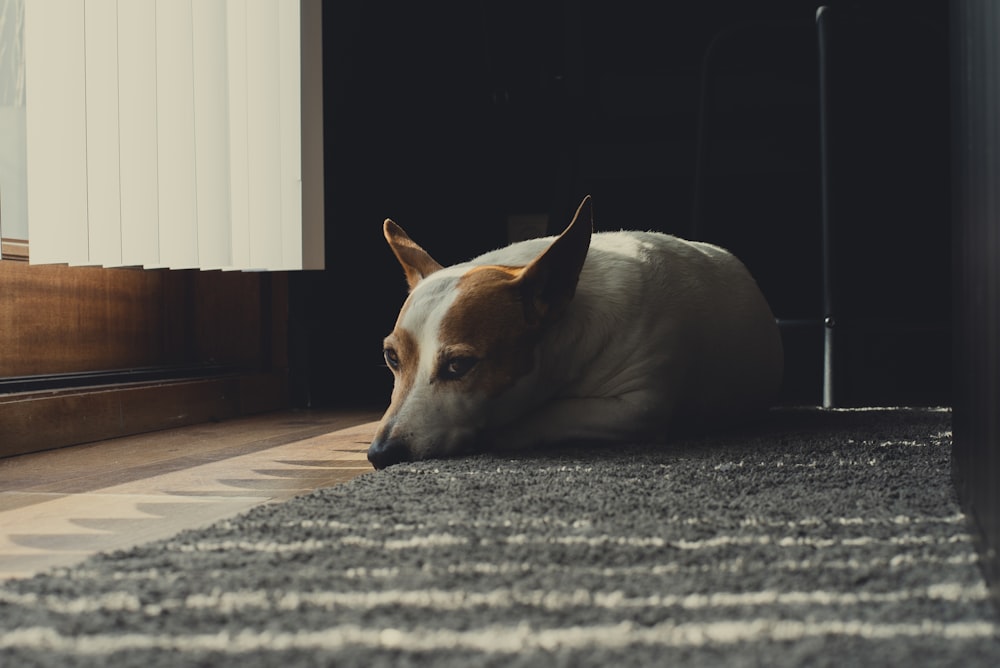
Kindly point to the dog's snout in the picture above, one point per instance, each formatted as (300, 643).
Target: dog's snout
(386, 452)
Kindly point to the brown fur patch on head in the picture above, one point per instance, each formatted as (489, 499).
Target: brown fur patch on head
(487, 319)
(406, 349)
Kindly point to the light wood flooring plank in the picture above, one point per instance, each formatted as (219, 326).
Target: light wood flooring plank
(58, 507)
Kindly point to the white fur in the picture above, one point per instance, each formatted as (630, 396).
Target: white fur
(661, 332)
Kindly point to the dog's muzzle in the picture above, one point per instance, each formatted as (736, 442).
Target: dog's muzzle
(386, 452)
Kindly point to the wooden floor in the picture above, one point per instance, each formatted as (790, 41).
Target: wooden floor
(58, 507)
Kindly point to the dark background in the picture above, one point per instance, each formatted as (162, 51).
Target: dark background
(699, 119)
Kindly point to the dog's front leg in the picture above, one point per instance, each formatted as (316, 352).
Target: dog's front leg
(634, 416)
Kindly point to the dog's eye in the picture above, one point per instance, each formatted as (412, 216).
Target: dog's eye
(456, 367)
(391, 358)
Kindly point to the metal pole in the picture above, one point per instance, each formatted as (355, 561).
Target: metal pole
(829, 322)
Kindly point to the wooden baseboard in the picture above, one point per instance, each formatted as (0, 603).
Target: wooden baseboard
(14, 249)
(35, 421)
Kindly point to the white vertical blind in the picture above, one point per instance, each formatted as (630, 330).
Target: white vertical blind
(290, 111)
(211, 131)
(137, 133)
(175, 133)
(239, 155)
(56, 131)
(175, 165)
(103, 179)
(13, 189)
(263, 132)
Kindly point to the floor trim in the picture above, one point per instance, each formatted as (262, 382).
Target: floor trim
(43, 420)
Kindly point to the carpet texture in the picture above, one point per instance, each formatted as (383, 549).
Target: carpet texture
(816, 538)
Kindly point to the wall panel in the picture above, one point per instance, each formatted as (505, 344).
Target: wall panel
(976, 247)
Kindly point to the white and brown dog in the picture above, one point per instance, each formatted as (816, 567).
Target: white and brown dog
(613, 336)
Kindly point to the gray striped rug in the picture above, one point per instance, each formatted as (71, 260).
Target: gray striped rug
(818, 538)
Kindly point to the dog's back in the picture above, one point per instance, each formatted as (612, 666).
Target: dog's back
(684, 320)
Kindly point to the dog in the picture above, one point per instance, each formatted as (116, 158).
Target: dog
(607, 337)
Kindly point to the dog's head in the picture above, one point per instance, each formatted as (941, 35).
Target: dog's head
(463, 351)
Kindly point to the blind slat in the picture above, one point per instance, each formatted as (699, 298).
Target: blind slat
(56, 131)
(178, 209)
(239, 176)
(103, 182)
(211, 129)
(137, 132)
(263, 134)
(290, 113)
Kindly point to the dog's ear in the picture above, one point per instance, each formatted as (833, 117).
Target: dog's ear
(417, 264)
(548, 283)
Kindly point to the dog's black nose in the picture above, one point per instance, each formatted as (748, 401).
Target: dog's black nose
(387, 452)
